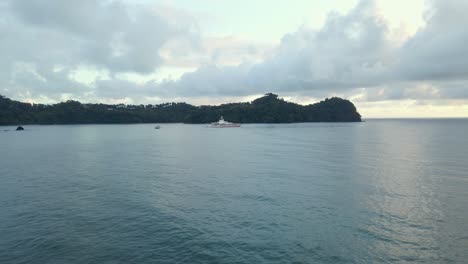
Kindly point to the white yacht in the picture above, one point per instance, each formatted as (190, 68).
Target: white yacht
(221, 123)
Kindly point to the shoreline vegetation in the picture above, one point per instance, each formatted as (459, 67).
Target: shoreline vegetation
(266, 109)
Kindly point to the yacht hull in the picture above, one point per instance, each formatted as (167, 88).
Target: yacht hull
(225, 126)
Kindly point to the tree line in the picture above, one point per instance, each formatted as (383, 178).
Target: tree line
(266, 109)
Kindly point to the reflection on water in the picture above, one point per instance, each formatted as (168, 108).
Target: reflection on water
(405, 211)
(380, 191)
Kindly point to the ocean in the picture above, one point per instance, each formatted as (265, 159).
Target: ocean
(379, 191)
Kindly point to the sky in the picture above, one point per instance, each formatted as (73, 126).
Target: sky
(394, 58)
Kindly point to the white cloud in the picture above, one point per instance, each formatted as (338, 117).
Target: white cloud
(352, 51)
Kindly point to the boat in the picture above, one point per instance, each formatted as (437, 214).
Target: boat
(222, 124)
(157, 127)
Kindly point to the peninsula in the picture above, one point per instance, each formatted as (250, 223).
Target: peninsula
(266, 109)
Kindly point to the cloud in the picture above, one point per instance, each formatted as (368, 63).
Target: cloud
(356, 54)
(349, 52)
(438, 51)
(223, 51)
(100, 33)
(104, 35)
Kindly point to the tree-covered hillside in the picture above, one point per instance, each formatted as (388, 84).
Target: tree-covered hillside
(266, 109)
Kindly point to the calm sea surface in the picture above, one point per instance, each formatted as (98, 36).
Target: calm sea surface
(379, 191)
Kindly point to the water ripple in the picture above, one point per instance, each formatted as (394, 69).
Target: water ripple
(382, 191)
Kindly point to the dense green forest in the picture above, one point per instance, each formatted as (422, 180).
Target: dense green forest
(266, 109)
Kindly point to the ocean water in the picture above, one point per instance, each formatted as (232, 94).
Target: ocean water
(382, 191)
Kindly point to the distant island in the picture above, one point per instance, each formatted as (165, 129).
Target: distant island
(266, 109)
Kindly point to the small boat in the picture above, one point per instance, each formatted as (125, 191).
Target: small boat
(157, 127)
(221, 124)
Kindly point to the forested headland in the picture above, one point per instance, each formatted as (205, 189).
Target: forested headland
(267, 109)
